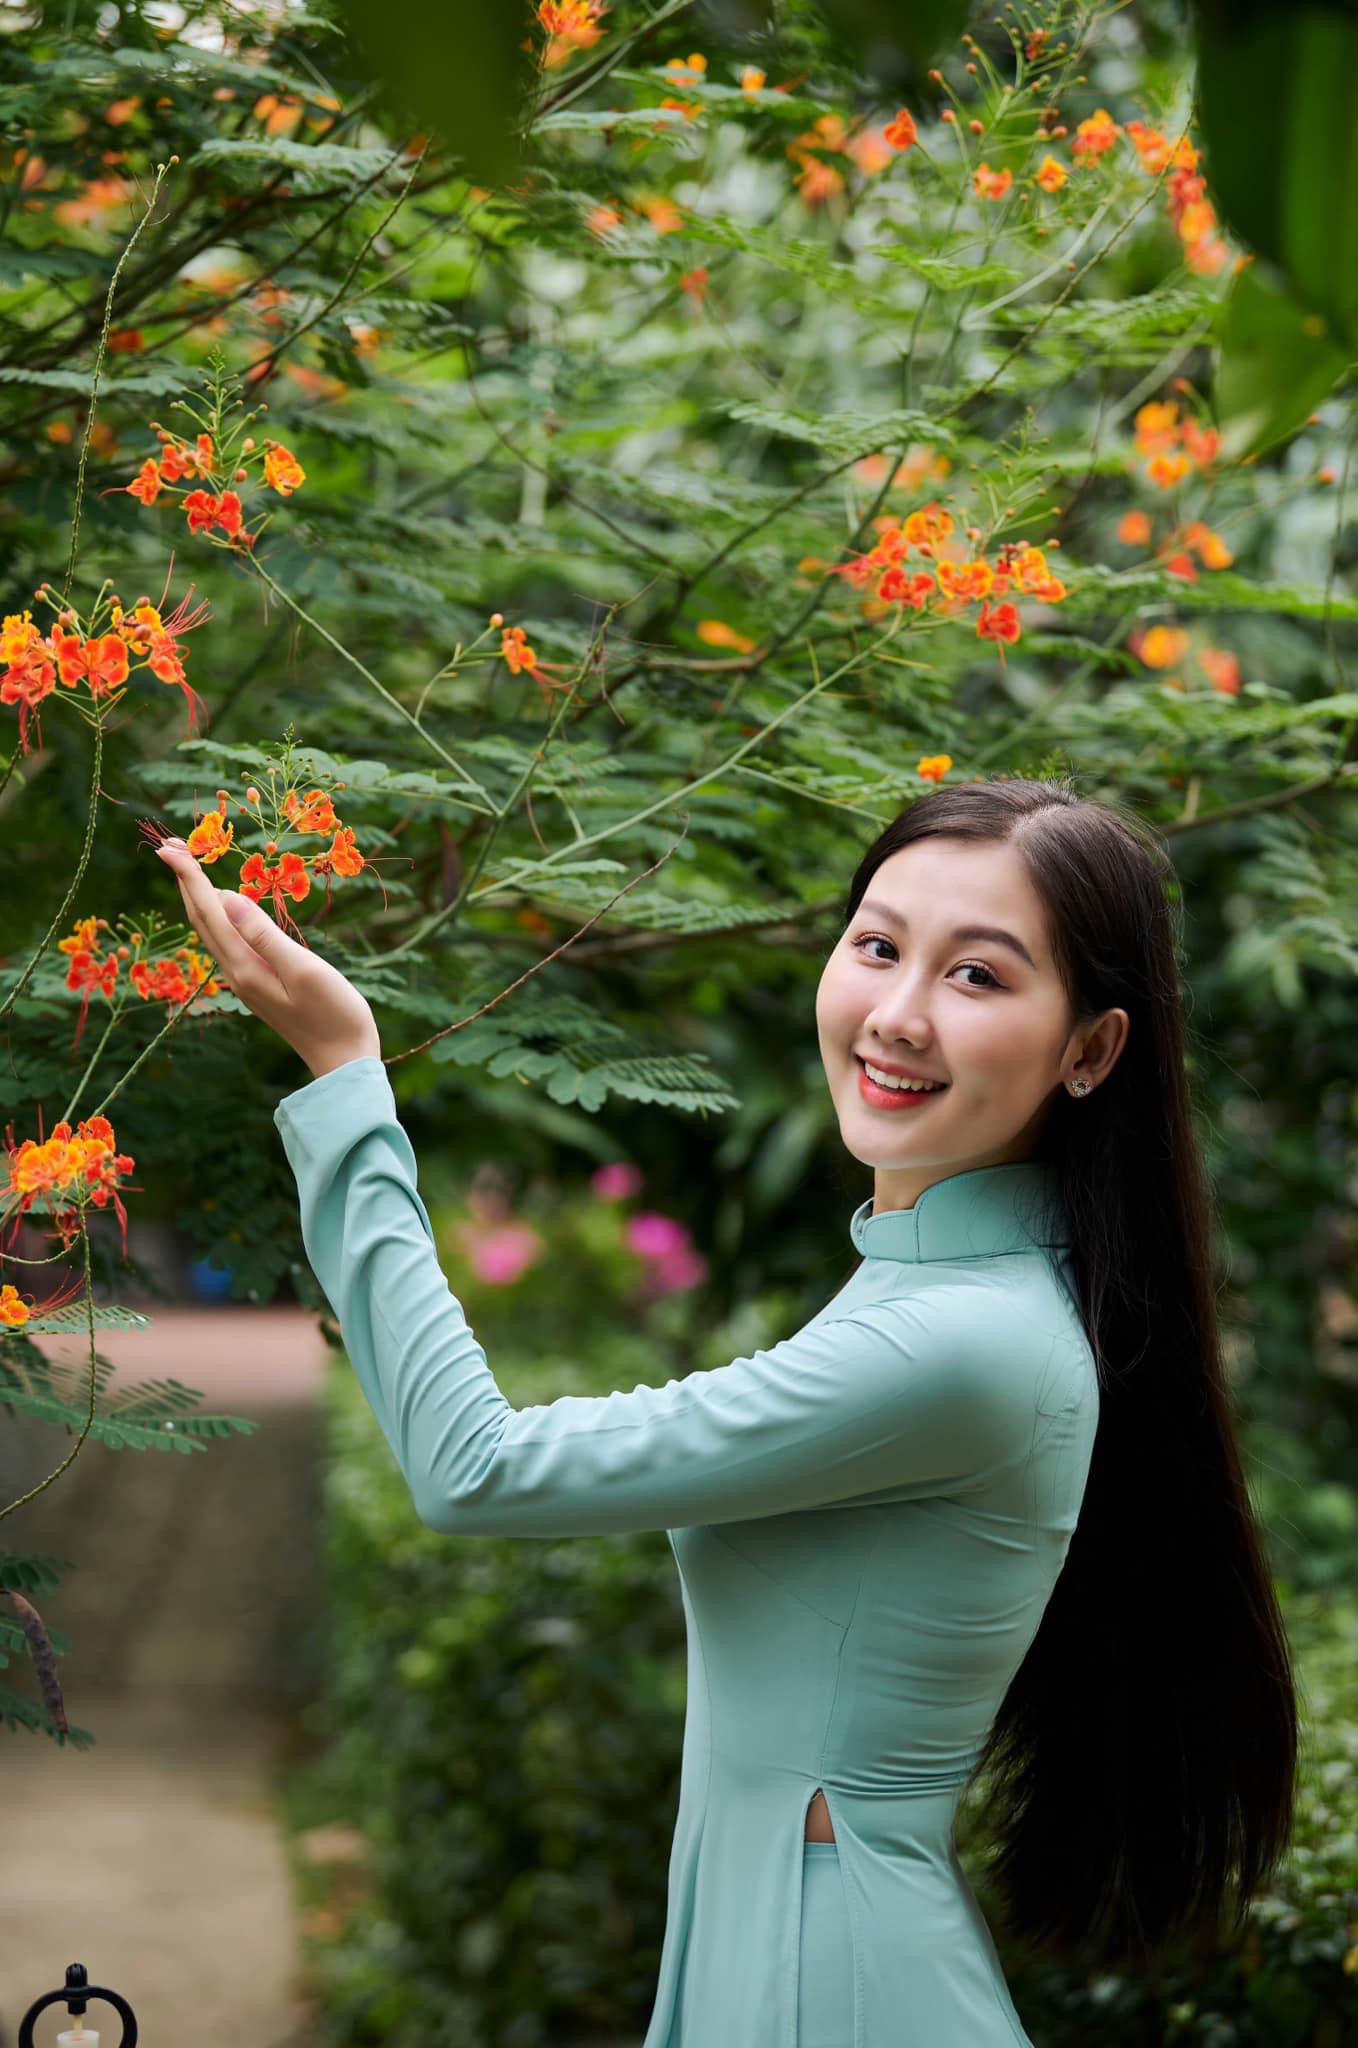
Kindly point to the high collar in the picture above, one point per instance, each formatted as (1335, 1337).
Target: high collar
(971, 1215)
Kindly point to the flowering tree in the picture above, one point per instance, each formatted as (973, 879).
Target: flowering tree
(643, 531)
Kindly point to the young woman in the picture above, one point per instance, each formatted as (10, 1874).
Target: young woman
(986, 1508)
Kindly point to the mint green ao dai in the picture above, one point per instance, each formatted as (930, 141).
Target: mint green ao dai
(868, 1519)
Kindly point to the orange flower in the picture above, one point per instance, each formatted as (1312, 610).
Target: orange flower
(1157, 427)
(870, 150)
(1095, 136)
(146, 484)
(689, 73)
(14, 1311)
(1165, 471)
(901, 132)
(280, 112)
(1051, 175)
(1152, 147)
(71, 1170)
(313, 813)
(128, 341)
(1183, 566)
(991, 184)
(206, 512)
(998, 622)
(817, 182)
(694, 282)
(102, 661)
(1201, 445)
(965, 582)
(933, 767)
(1162, 646)
(898, 586)
(1223, 668)
(343, 856)
(1134, 529)
(603, 220)
(516, 651)
(663, 215)
(928, 526)
(752, 79)
(211, 837)
(289, 878)
(690, 109)
(716, 633)
(101, 196)
(282, 471)
(1210, 547)
(571, 25)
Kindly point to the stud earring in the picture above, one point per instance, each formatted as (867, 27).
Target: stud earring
(1081, 1086)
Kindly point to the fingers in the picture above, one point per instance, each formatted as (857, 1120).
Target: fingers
(231, 949)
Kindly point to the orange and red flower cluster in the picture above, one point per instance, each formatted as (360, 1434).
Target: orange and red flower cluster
(1164, 647)
(869, 149)
(169, 979)
(569, 25)
(1171, 446)
(954, 580)
(209, 511)
(72, 1171)
(33, 663)
(291, 873)
(1191, 212)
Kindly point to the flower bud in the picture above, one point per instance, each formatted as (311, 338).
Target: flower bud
(977, 127)
(248, 444)
(497, 620)
(240, 476)
(252, 795)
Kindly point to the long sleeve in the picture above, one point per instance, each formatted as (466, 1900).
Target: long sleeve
(919, 1395)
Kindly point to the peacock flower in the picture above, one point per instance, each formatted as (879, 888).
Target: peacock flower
(991, 184)
(282, 471)
(933, 767)
(1094, 137)
(1051, 175)
(1161, 647)
(70, 1171)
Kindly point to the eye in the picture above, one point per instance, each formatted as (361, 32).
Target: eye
(976, 966)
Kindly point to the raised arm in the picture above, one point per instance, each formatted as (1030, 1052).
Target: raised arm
(908, 1396)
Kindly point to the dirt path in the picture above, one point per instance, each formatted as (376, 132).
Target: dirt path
(153, 1858)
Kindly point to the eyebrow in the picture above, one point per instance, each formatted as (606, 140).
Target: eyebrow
(991, 932)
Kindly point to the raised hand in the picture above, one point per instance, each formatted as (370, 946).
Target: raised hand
(305, 1000)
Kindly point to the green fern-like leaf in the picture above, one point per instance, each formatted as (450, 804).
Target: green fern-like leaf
(154, 1415)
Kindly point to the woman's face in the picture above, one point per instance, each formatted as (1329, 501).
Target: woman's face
(907, 987)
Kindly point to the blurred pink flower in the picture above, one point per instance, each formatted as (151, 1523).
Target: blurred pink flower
(498, 1256)
(617, 1182)
(655, 1236)
(675, 1273)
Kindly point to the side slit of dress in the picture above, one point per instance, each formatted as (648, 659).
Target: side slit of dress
(823, 1994)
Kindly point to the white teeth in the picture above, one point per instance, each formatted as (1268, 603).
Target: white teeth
(896, 1081)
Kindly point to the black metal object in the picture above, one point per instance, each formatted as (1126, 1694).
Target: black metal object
(75, 1997)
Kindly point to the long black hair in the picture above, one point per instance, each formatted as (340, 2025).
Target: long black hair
(1142, 1765)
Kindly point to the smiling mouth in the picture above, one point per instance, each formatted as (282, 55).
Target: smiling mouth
(914, 1094)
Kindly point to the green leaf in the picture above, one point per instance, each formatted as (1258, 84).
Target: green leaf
(459, 72)
(1271, 69)
(1277, 361)
(875, 29)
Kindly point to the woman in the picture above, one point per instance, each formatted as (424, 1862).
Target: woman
(985, 1510)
